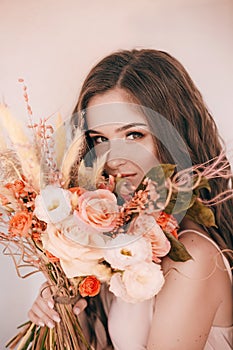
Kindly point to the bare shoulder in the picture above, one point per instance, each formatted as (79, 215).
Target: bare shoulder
(196, 295)
(206, 258)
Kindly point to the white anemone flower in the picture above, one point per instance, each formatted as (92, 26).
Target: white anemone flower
(121, 253)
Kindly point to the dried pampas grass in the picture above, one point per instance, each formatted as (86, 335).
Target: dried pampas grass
(26, 150)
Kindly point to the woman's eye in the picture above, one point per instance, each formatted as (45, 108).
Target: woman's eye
(99, 139)
(134, 135)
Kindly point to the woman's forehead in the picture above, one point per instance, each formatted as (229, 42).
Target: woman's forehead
(112, 113)
(113, 106)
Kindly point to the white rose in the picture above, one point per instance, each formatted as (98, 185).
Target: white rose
(53, 204)
(121, 253)
(78, 231)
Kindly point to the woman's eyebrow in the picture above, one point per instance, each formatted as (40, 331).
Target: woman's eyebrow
(131, 125)
(122, 128)
(90, 131)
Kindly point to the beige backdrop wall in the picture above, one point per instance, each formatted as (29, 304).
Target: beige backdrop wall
(53, 43)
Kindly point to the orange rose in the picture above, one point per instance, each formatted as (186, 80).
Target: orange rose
(99, 209)
(78, 190)
(18, 188)
(51, 257)
(20, 224)
(90, 286)
(168, 223)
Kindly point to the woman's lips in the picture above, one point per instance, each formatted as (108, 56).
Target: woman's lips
(123, 175)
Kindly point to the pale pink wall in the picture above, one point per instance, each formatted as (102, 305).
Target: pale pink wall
(53, 43)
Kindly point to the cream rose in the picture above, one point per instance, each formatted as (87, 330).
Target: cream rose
(143, 281)
(99, 209)
(139, 282)
(117, 287)
(80, 232)
(53, 204)
(75, 259)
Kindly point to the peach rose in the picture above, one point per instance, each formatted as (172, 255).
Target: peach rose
(90, 286)
(18, 188)
(99, 209)
(20, 224)
(153, 232)
(76, 260)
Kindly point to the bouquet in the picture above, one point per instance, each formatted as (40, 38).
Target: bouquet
(101, 231)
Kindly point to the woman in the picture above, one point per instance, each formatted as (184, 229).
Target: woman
(143, 103)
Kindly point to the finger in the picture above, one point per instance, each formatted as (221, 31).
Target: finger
(80, 306)
(41, 321)
(34, 319)
(42, 310)
(46, 295)
(41, 314)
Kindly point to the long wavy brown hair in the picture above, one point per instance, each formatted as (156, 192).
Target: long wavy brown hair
(156, 80)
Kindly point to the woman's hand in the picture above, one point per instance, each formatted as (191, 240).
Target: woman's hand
(42, 311)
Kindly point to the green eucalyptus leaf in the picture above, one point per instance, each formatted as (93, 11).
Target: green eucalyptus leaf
(201, 214)
(178, 252)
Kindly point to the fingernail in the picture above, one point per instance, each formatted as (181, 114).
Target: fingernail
(56, 318)
(50, 324)
(50, 304)
(41, 324)
(77, 310)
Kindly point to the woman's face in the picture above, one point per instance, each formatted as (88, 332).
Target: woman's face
(116, 125)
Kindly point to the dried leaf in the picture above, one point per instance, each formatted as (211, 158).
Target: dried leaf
(204, 183)
(178, 251)
(201, 214)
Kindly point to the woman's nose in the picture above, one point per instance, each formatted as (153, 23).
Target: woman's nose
(115, 163)
(116, 157)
